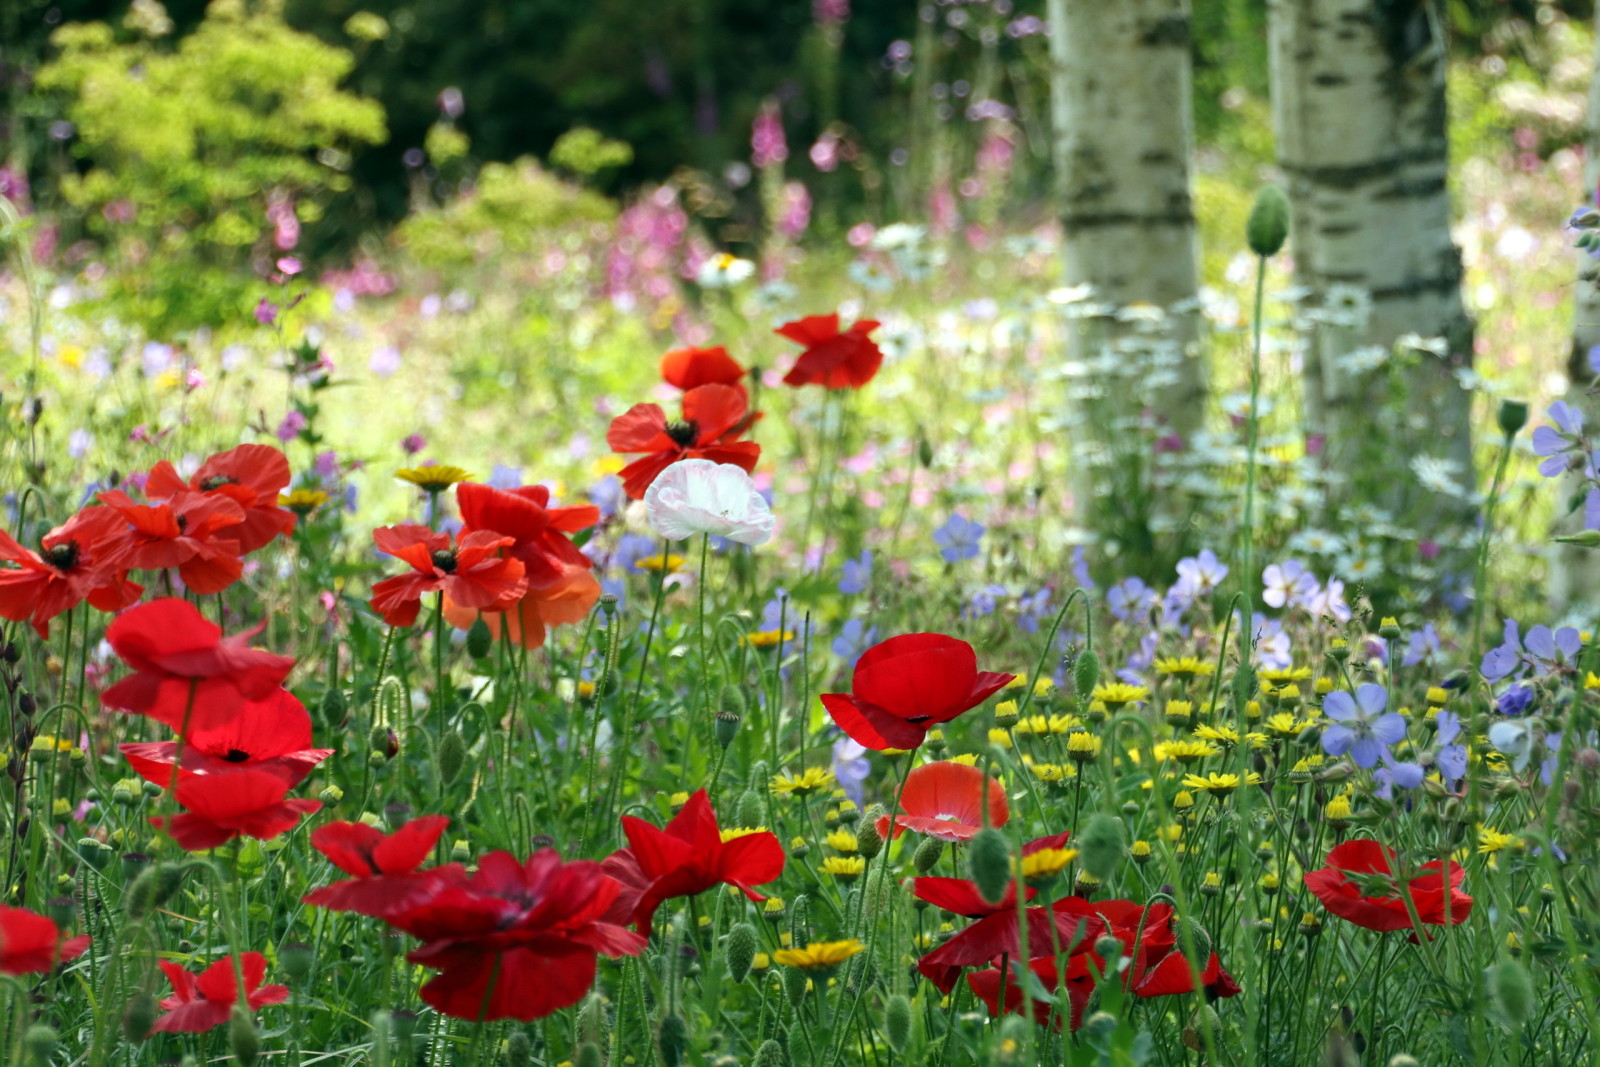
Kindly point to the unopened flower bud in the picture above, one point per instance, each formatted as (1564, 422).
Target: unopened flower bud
(452, 755)
(138, 1016)
(1268, 226)
(1101, 846)
(989, 863)
(927, 855)
(897, 1022)
(1512, 991)
(1086, 672)
(243, 1040)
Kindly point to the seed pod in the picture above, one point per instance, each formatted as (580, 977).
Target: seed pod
(674, 1037)
(480, 642)
(1268, 226)
(1101, 846)
(726, 727)
(897, 1022)
(243, 1040)
(452, 756)
(989, 863)
(1085, 673)
(1512, 991)
(96, 854)
(927, 855)
(740, 951)
(1512, 416)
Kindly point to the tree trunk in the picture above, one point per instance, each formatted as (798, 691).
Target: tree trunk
(1120, 92)
(1358, 92)
(1575, 571)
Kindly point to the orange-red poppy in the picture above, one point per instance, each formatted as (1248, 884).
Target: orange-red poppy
(714, 418)
(946, 800)
(833, 358)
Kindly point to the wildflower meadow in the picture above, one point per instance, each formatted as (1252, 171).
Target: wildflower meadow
(804, 594)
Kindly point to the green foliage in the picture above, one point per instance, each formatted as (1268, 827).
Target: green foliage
(184, 146)
(586, 152)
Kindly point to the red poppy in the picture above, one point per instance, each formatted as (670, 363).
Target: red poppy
(272, 735)
(1436, 904)
(946, 800)
(714, 417)
(687, 857)
(905, 686)
(31, 943)
(986, 985)
(538, 531)
(516, 940)
(220, 807)
(386, 880)
(78, 562)
(184, 667)
(527, 622)
(1157, 966)
(196, 533)
(251, 476)
(1068, 924)
(204, 1001)
(833, 359)
(688, 368)
(473, 573)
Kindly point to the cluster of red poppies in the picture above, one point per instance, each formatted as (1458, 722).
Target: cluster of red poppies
(520, 939)
(201, 528)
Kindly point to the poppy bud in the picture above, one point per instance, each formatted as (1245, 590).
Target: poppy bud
(10, 652)
(1109, 949)
(383, 740)
(1512, 991)
(330, 796)
(740, 951)
(63, 912)
(733, 698)
(924, 450)
(770, 1054)
(333, 705)
(1268, 226)
(989, 863)
(927, 855)
(295, 959)
(1101, 846)
(452, 756)
(480, 642)
(588, 1056)
(96, 854)
(726, 727)
(1086, 672)
(674, 1036)
(138, 1016)
(40, 1042)
(868, 843)
(1101, 1023)
(800, 921)
(749, 810)
(1512, 416)
(152, 889)
(519, 1049)
(896, 1020)
(243, 1040)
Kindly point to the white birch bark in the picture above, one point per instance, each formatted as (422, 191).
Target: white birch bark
(1359, 108)
(1575, 571)
(1121, 96)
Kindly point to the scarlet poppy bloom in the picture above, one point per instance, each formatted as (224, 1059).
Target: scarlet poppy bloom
(78, 562)
(516, 940)
(986, 985)
(687, 857)
(946, 800)
(473, 573)
(1068, 925)
(204, 1001)
(528, 621)
(251, 476)
(31, 943)
(688, 368)
(183, 666)
(220, 807)
(907, 685)
(386, 880)
(1157, 966)
(272, 735)
(195, 533)
(833, 358)
(714, 417)
(539, 532)
(1428, 891)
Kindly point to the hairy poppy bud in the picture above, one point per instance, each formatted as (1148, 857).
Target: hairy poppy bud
(1512, 991)
(383, 741)
(927, 855)
(295, 959)
(989, 863)
(588, 1055)
(153, 888)
(1101, 846)
(897, 1022)
(770, 1054)
(480, 642)
(674, 1036)
(924, 450)
(243, 1040)
(40, 1041)
(868, 842)
(733, 699)
(333, 705)
(1101, 1023)
(1086, 672)
(794, 984)
(138, 1016)
(750, 810)
(452, 756)
(519, 1049)
(800, 921)
(740, 951)
(1268, 226)
(592, 1019)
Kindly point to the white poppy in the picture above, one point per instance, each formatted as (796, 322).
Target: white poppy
(695, 496)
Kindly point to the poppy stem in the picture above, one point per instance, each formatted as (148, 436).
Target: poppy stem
(440, 713)
(177, 755)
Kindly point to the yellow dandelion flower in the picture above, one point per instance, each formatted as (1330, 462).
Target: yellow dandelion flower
(1491, 840)
(433, 479)
(1183, 801)
(1284, 724)
(1226, 736)
(1083, 745)
(1284, 675)
(966, 759)
(1219, 784)
(1338, 809)
(1179, 712)
(608, 465)
(1053, 772)
(1438, 696)
(1000, 737)
(1046, 863)
(1043, 687)
(1061, 724)
(1033, 724)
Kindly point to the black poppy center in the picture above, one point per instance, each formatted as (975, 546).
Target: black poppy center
(183, 522)
(683, 432)
(235, 755)
(217, 481)
(63, 556)
(445, 561)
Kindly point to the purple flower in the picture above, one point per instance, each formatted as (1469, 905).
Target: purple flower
(958, 538)
(1288, 584)
(1328, 602)
(291, 426)
(1555, 443)
(504, 476)
(326, 465)
(1421, 645)
(983, 602)
(1200, 575)
(1404, 775)
(385, 361)
(606, 494)
(411, 444)
(266, 312)
(1552, 650)
(850, 767)
(1514, 701)
(857, 574)
(1360, 725)
(1031, 610)
(855, 637)
(1130, 597)
(1506, 658)
(1450, 758)
(1272, 645)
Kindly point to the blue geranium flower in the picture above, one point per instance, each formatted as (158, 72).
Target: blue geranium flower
(958, 538)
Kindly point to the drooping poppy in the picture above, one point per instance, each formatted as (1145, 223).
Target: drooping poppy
(1436, 902)
(195, 534)
(204, 1001)
(527, 622)
(78, 561)
(251, 476)
(986, 985)
(239, 803)
(387, 881)
(1156, 965)
(472, 573)
(946, 800)
(272, 735)
(689, 856)
(184, 667)
(832, 358)
(688, 368)
(31, 943)
(1067, 926)
(516, 940)
(714, 418)
(905, 686)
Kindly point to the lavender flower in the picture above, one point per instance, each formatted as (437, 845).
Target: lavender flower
(1130, 597)
(1361, 727)
(857, 574)
(958, 538)
(1200, 575)
(1288, 584)
(1555, 443)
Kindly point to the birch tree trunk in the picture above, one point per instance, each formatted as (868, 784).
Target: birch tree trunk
(1575, 571)
(1120, 91)
(1358, 92)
